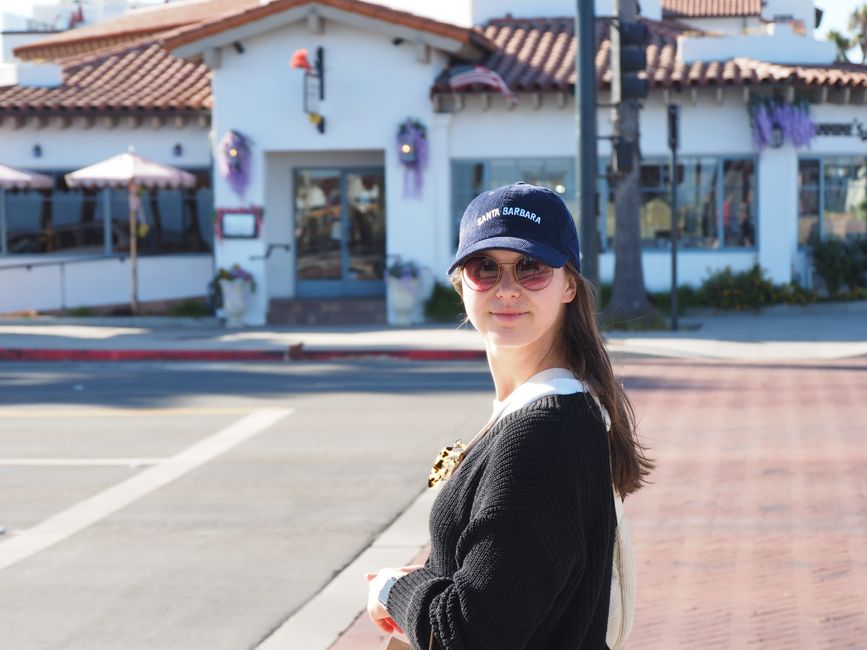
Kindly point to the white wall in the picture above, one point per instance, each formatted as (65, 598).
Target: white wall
(101, 282)
(371, 87)
(63, 148)
(780, 45)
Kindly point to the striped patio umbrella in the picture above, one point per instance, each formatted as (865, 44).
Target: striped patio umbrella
(133, 172)
(17, 179)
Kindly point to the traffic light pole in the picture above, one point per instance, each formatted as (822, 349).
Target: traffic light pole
(673, 143)
(585, 120)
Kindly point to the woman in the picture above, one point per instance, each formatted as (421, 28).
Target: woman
(522, 532)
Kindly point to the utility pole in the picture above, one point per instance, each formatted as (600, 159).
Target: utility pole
(586, 183)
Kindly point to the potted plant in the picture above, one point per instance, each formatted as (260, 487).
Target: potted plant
(235, 286)
(402, 280)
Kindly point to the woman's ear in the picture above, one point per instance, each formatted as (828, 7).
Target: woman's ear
(571, 288)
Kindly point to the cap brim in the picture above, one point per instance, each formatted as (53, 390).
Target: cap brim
(541, 252)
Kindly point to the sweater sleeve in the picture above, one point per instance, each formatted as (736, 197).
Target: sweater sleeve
(523, 542)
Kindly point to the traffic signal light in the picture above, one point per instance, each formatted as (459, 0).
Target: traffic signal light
(628, 58)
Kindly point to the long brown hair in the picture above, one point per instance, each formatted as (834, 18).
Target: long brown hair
(587, 358)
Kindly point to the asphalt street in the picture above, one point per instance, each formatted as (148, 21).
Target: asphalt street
(186, 505)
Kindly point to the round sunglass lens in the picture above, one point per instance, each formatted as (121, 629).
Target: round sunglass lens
(481, 273)
(533, 274)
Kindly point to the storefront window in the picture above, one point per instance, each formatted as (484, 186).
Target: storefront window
(74, 220)
(832, 198)
(809, 207)
(715, 204)
(472, 177)
(845, 203)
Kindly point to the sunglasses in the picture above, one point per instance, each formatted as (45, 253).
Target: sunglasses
(482, 273)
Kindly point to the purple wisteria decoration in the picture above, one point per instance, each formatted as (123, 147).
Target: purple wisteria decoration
(775, 122)
(412, 153)
(234, 160)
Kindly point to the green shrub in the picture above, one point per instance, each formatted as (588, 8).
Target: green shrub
(444, 305)
(841, 263)
(748, 290)
(80, 312)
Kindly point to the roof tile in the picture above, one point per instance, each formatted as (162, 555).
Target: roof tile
(710, 8)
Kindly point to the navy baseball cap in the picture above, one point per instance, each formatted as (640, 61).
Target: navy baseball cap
(523, 218)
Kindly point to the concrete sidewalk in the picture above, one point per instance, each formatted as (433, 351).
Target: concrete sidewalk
(812, 333)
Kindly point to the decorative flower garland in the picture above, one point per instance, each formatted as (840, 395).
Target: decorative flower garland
(774, 122)
(412, 150)
(234, 160)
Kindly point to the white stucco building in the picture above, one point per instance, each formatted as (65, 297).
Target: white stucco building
(338, 204)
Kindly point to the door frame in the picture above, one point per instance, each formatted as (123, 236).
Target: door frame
(345, 287)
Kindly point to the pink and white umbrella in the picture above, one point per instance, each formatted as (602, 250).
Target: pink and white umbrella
(131, 171)
(17, 179)
(128, 169)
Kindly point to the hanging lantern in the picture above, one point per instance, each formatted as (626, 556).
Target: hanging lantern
(234, 160)
(412, 153)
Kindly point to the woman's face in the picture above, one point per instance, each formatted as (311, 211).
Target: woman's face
(509, 315)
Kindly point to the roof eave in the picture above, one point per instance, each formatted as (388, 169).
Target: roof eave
(197, 40)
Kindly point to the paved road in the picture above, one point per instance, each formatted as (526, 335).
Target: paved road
(188, 506)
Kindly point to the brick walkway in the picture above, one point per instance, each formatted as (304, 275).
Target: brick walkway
(754, 532)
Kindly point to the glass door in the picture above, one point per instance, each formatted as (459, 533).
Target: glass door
(340, 232)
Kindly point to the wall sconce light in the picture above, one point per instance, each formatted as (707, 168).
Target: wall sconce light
(178, 150)
(408, 153)
(37, 151)
(776, 135)
(239, 47)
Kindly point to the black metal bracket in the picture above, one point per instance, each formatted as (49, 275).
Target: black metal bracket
(269, 250)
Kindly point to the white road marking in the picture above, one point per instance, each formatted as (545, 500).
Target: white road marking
(98, 507)
(43, 414)
(80, 462)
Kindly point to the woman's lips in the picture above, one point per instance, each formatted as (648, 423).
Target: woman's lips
(507, 316)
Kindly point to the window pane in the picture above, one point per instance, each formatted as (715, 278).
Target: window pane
(54, 220)
(503, 172)
(845, 212)
(738, 207)
(696, 203)
(808, 201)
(467, 184)
(318, 225)
(366, 236)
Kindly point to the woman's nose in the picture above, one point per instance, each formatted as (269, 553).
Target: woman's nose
(507, 285)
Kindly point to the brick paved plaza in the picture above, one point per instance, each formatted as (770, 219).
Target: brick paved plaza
(754, 533)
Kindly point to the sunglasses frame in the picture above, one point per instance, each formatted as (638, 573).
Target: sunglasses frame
(500, 266)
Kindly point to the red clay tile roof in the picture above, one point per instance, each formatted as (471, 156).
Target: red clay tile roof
(141, 77)
(538, 55)
(132, 26)
(710, 8)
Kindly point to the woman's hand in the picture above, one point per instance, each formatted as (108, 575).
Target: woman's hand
(376, 580)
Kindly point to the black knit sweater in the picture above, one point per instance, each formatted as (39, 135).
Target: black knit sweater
(521, 538)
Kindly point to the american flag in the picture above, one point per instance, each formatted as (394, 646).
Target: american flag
(469, 75)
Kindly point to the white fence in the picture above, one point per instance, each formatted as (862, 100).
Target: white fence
(38, 284)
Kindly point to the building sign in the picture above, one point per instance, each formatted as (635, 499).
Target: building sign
(856, 128)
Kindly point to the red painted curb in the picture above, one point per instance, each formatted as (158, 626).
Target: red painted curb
(12, 354)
